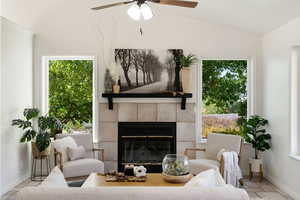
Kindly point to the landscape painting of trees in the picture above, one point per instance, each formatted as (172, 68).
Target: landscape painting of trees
(149, 71)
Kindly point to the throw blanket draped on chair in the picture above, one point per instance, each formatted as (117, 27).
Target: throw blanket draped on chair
(232, 171)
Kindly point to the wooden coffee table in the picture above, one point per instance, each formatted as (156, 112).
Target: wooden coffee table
(95, 180)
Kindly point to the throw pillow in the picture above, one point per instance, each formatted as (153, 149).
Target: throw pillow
(55, 179)
(208, 178)
(61, 145)
(76, 153)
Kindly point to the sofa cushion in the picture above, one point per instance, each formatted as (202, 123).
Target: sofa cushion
(55, 179)
(82, 167)
(200, 165)
(61, 145)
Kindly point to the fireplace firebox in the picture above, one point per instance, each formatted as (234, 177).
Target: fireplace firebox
(145, 143)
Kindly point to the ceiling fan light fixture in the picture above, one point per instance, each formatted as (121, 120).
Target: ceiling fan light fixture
(134, 12)
(146, 11)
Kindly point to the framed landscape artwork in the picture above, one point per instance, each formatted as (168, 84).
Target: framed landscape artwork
(149, 71)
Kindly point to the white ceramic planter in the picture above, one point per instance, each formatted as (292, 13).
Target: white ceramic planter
(186, 79)
(255, 164)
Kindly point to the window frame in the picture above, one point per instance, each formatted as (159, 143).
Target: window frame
(251, 96)
(294, 107)
(45, 86)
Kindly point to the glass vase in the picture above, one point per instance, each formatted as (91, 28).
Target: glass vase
(175, 165)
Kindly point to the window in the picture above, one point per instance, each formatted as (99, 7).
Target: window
(69, 91)
(295, 98)
(224, 95)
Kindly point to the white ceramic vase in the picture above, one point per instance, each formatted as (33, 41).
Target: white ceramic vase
(256, 164)
(185, 75)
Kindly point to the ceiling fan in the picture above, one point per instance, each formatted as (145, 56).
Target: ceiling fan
(141, 8)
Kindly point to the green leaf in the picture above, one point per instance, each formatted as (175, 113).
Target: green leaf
(21, 123)
(28, 136)
(43, 141)
(30, 113)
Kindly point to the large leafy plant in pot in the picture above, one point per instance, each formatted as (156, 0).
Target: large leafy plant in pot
(40, 133)
(254, 132)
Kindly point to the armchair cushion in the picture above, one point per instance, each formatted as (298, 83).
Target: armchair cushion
(81, 139)
(200, 165)
(62, 145)
(216, 142)
(82, 167)
(55, 179)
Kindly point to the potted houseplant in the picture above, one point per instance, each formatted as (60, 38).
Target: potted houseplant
(186, 62)
(40, 134)
(254, 132)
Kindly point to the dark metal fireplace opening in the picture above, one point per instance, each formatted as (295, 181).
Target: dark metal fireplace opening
(145, 143)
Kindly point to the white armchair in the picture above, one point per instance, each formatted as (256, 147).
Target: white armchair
(79, 167)
(215, 143)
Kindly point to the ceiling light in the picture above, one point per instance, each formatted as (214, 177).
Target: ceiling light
(146, 11)
(135, 11)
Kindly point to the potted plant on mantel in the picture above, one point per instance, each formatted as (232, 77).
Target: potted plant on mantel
(254, 133)
(40, 137)
(186, 62)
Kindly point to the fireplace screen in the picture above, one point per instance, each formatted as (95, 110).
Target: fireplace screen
(145, 144)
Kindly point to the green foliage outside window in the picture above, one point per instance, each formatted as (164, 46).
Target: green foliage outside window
(71, 90)
(225, 86)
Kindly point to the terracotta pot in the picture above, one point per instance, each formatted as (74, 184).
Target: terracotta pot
(255, 164)
(185, 79)
(37, 154)
(116, 89)
(177, 179)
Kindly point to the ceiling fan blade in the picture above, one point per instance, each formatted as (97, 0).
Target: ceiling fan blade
(188, 4)
(112, 5)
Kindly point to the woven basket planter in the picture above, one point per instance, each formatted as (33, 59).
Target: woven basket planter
(37, 154)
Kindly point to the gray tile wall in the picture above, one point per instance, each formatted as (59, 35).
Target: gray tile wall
(143, 112)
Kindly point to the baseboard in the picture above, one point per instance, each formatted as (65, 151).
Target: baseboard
(10, 186)
(284, 188)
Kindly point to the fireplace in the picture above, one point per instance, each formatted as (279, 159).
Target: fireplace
(145, 143)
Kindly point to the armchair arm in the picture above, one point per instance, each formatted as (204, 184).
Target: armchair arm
(99, 150)
(59, 155)
(192, 149)
(222, 166)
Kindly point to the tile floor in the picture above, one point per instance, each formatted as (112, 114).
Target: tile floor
(257, 190)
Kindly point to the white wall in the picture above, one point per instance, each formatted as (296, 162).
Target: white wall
(71, 28)
(16, 94)
(277, 49)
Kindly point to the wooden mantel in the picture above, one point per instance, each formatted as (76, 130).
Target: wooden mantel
(111, 96)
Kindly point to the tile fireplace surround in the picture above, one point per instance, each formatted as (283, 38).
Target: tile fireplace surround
(143, 112)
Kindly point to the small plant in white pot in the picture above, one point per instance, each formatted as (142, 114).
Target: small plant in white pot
(254, 132)
(186, 62)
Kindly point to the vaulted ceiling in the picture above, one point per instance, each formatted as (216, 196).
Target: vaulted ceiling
(257, 16)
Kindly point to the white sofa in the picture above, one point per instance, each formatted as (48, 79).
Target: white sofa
(205, 186)
(133, 193)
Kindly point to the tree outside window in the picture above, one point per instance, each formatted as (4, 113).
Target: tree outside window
(71, 92)
(224, 95)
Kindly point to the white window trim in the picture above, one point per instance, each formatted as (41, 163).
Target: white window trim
(294, 107)
(45, 86)
(251, 63)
